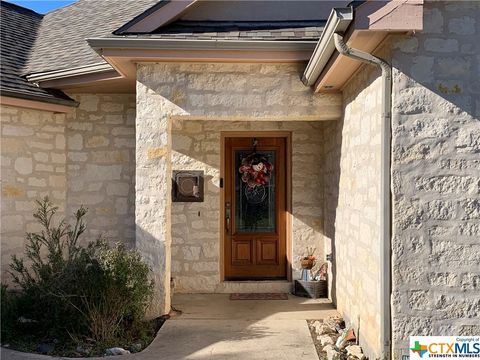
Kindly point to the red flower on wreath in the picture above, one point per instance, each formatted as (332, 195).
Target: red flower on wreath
(255, 170)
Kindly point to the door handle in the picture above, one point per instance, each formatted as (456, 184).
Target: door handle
(227, 217)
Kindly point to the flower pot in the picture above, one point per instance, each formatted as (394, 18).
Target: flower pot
(307, 263)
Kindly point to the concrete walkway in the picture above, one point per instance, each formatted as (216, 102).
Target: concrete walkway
(214, 327)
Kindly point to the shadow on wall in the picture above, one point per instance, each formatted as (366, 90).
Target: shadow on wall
(333, 145)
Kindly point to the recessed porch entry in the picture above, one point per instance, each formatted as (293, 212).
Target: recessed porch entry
(255, 207)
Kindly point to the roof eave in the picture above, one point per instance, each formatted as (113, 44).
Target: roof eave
(180, 44)
(338, 21)
(71, 72)
(184, 49)
(372, 22)
(39, 98)
(123, 53)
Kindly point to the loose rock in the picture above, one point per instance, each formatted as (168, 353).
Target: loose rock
(334, 323)
(83, 350)
(328, 347)
(137, 347)
(324, 329)
(326, 340)
(116, 351)
(355, 351)
(332, 354)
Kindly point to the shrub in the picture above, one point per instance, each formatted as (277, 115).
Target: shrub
(8, 311)
(94, 291)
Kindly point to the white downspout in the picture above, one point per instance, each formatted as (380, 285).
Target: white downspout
(385, 216)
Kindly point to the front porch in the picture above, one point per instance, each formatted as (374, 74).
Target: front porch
(213, 327)
(184, 113)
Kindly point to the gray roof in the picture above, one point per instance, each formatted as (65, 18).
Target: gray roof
(61, 37)
(240, 30)
(18, 27)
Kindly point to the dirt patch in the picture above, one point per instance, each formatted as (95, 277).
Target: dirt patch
(318, 345)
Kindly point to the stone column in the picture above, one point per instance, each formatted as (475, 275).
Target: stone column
(153, 180)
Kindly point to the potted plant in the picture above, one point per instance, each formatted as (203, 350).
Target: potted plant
(308, 262)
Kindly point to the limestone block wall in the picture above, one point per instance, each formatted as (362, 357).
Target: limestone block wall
(352, 206)
(196, 145)
(207, 91)
(85, 157)
(100, 151)
(32, 166)
(436, 175)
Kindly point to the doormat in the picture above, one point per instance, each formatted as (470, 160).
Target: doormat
(259, 296)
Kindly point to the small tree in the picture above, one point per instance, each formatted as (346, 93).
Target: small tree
(60, 243)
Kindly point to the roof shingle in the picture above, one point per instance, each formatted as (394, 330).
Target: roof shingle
(18, 28)
(62, 33)
(239, 30)
(61, 44)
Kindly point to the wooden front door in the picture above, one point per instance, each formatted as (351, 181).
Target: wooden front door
(255, 208)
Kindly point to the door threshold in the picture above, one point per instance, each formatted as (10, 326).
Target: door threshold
(255, 286)
(241, 281)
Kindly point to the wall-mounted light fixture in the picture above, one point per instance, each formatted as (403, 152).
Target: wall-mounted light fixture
(187, 186)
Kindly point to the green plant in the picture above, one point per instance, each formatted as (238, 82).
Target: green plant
(8, 312)
(114, 291)
(94, 291)
(60, 243)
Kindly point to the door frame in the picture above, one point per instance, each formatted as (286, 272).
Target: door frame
(288, 189)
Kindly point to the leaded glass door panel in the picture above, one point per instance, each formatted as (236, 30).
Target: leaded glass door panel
(255, 203)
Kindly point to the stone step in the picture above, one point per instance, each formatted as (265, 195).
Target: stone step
(279, 286)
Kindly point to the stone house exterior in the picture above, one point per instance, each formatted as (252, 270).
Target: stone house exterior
(375, 163)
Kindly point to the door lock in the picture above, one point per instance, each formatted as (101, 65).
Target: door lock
(227, 217)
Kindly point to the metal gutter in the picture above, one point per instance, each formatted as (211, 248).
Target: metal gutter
(182, 44)
(65, 73)
(385, 194)
(338, 21)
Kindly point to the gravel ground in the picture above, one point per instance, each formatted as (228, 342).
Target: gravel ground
(318, 346)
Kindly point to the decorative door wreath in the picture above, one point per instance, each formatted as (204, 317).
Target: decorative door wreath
(255, 170)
